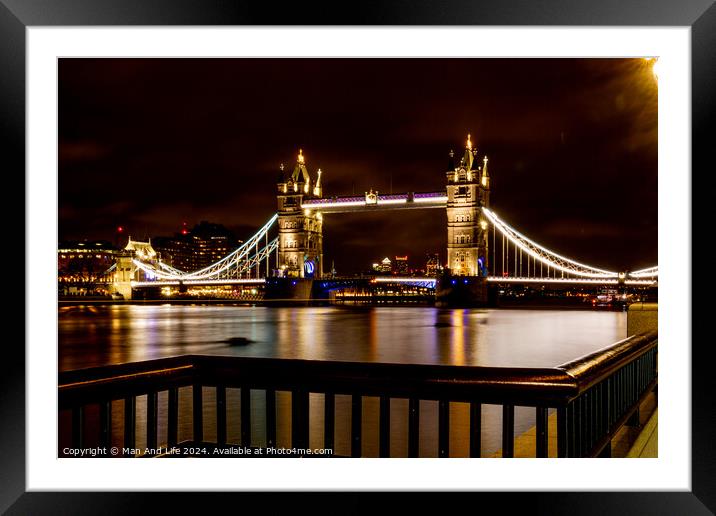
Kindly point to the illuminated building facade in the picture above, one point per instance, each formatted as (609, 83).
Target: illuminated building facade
(300, 248)
(400, 266)
(82, 267)
(468, 189)
(432, 265)
(192, 250)
(385, 266)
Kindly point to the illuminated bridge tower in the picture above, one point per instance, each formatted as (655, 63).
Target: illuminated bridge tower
(468, 189)
(126, 271)
(300, 248)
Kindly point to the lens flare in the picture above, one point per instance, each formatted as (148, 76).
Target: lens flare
(653, 62)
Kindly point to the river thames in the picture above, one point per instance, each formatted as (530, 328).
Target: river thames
(93, 335)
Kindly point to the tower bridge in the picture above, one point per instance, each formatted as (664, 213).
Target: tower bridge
(482, 249)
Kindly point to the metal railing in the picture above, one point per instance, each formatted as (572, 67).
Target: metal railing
(594, 397)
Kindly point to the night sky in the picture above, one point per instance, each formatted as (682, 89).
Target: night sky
(151, 143)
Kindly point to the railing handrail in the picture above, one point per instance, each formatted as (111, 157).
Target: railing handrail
(594, 367)
(554, 386)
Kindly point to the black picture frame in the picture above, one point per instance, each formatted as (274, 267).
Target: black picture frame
(17, 15)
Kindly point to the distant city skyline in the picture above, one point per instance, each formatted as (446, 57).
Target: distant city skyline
(148, 144)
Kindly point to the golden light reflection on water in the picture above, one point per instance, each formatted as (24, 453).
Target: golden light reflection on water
(458, 337)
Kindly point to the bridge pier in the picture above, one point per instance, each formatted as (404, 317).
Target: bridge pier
(290, 289)
(123, 275)
(462, 291)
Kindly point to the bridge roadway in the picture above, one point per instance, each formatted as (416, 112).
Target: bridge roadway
(367, 203)
(411, 280)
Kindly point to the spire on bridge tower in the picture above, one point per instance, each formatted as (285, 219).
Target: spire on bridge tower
(451, 161)
(317, 188)
(300, 172)
(468, 157)
(485, 181)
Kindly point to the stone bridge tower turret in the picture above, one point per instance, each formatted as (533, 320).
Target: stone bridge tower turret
(300, 244)
(468, 190)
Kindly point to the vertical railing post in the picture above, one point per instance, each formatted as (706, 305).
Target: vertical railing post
(105, 424)
(541, 432)
(633, 420)
(636, 392)
(78, 423)
(612, 400)
(598, 400)
(608, 404)
(508, 430)
(578, 426)
(152, 407)
(172, 416)
(384, 427)
(129, 421)
(443, 428)
(356, 425)
(586, 422)
(592, 417)
(475, 429)
(413, 427)
(270, 418)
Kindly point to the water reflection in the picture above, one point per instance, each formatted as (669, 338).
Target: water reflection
(90, 336)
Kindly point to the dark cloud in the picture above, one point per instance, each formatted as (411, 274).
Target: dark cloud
(151, 143)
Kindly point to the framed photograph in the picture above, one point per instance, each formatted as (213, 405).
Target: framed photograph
(218, 315)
